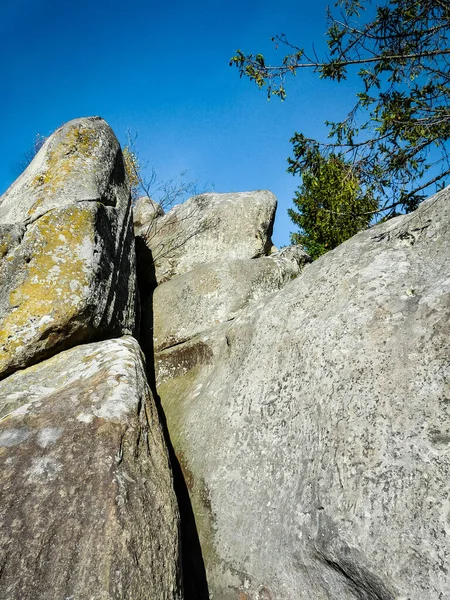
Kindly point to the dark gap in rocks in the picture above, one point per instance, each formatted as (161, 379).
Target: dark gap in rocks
(192, 564)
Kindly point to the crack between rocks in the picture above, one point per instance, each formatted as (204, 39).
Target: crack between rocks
(192, 337)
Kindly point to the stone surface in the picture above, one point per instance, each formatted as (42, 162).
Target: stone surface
(67, 257)
(212, 227)
(313, 430)
(145, 213)
(87, 504)
(81, 161)
(216, 292)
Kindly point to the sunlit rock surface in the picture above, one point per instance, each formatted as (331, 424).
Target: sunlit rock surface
(313, 429)
(307, 404)
(67, 258)
(145, 213)
(210, 227)
(216, 292)
(87, 504)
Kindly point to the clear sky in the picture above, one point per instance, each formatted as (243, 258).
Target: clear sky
(163, 71)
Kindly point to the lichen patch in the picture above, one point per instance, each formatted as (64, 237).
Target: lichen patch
(48, 436)
(56, 282)
(62, 164)
(13, 437)
(43, 469)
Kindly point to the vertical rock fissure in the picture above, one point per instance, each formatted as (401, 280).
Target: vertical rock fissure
(192, 564)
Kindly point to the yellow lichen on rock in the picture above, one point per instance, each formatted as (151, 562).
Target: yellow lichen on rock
(67, 261)
(55, 285)
(33, 210)
(69, 156)
(80, 161)
(3, 249)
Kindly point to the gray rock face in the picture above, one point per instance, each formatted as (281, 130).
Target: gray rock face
(216, 292)
(145, 213)
(314, 428)
(211, 227)
(80, 162)
(88, 509)
(67, 257)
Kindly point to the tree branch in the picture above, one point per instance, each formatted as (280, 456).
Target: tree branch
(361, 61)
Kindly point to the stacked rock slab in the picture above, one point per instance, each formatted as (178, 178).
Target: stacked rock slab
(313, 429)
(206, 228)
(211, 261)
(88, 508)
(87, 502)
(216, 292)
(67, 260)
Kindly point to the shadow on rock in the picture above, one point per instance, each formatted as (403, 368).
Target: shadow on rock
(193, 568)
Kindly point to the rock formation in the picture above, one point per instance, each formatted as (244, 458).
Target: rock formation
(145, 213)
(67, 260)
(88, 508)
(210, 227)
(313, 428)
(216, 292)
(287, 437)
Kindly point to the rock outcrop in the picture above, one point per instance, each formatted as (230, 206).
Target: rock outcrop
(307, 404)
(313, 429)
(210, 227)
(88, 508)
(145, 213)
(67, 260)
(216, 292)
(213, 257)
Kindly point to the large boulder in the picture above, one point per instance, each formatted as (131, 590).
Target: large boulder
(207, 228)
(313, 430)
(216, 292)
(67, 258)
(80, 162)
(88, 508)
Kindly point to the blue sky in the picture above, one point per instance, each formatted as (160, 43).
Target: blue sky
(163, 71)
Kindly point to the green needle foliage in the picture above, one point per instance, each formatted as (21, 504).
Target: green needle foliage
(331, 206)
(396, 136)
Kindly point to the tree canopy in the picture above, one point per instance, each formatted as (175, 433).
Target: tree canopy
(395, 137)
(331, 206)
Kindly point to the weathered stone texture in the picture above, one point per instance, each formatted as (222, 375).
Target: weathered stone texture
(80, 161)
(87, 504)
(67, 258)
(145, 213)
(216, 292)
(313, 430)
(211, 227)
